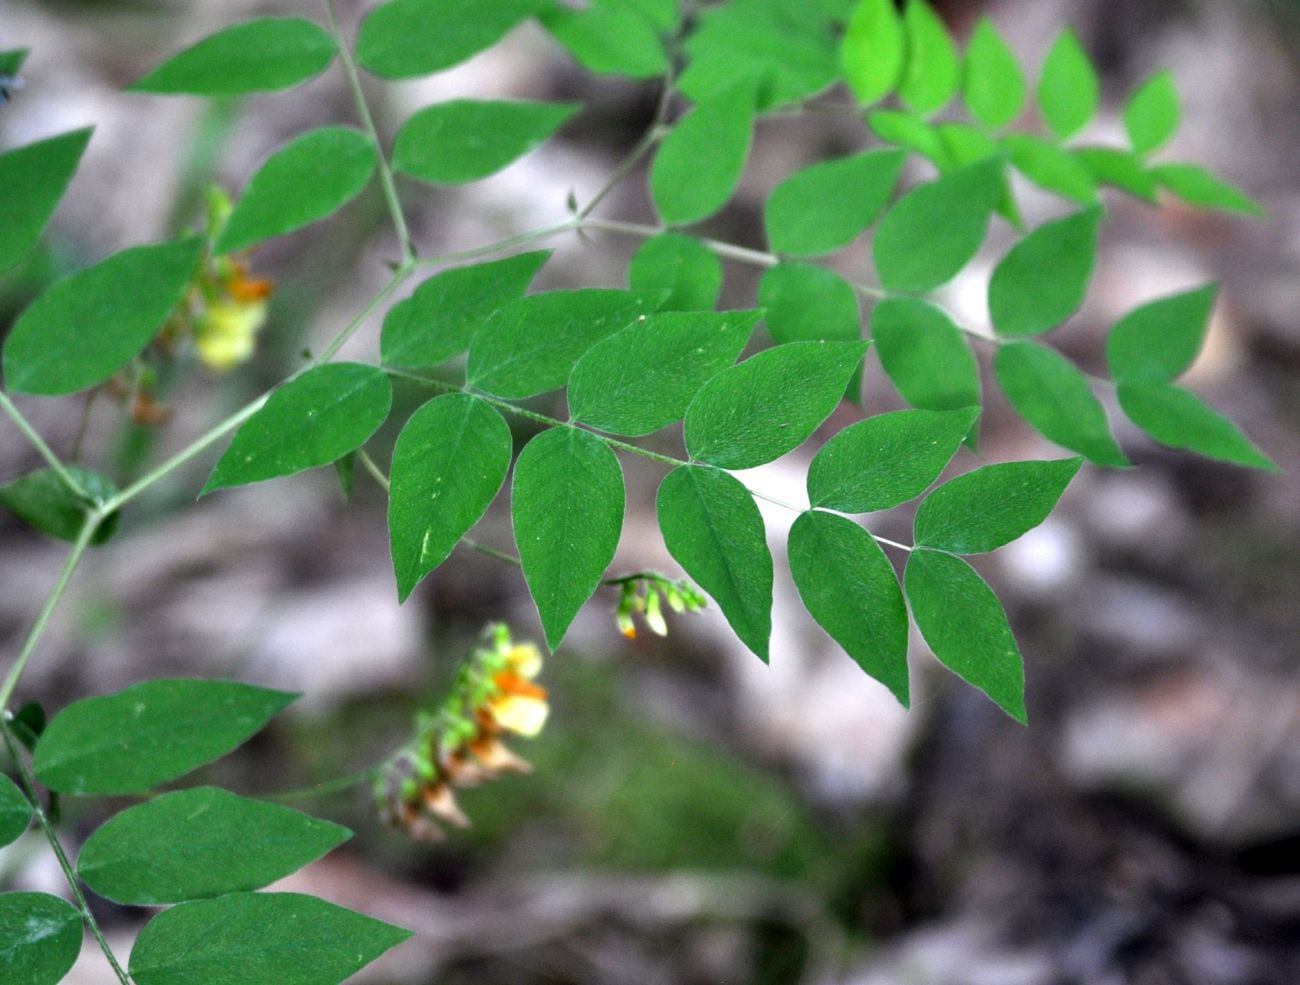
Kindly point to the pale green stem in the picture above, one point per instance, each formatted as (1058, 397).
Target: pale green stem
(328, 787)
(340, 340)
(47, 453)
(508, 243)
(52, 836)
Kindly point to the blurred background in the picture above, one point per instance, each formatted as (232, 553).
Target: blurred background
(694, 816)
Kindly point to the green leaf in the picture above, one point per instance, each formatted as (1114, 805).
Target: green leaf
(700, 161)
(449, 463)
(1196, 186)
(150, 734)
(12, 60)
(610, 37)
(15, 811)
(992, 506)
(828, 205)
(769, 404)
(806, 303)
(405, 38)
(466, 139)
(1069, 90)
(712, 527)
(643, 378)
(933, 71)
(964, 625)
(1151, 114)
(1119, 169)
(531, 345)
(309, 178)
(874, 50)
(34, 178)
(264, 55)
(936, 228)
(566, 504)
(193, 844)
(849, 587)
(438, 320)
(310, 421)
(1052, 395)
(285, 938)
(963, 145)
(994, 87)
(1158, 342)
(1043, 279)
(42, 500)
(886, 460)
(88, 325)
(683, 266)
(1179, 419)
(1052, 168)
(40, 938)
(925, 355)
(910, 131)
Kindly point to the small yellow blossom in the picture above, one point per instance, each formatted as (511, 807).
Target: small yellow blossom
(225, 334)
(525, 660)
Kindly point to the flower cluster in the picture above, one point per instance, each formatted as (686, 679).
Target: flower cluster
(644, 594)
(494, 695)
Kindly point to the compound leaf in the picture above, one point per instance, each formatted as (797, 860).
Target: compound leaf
(312, 420)
(1179, 419)
(770, 404)
(449, 463)
(712, 527)
(34, 178)
(1069, 90)
(1158, 342)
(150, 734)
(932, 74)
(1151, 114)
(40, 938)
(874, 50)
(682, 265)
(828, 205)
(566, 504)
(700, 161)
(1043, 279)
(402, 39)
(994, 87)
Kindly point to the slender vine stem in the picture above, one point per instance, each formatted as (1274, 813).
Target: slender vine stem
(501, 245)
(328, 787)
(37, 442)
(52, 836)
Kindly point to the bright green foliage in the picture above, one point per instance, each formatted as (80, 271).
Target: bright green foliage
(34, 178)
(925, 356)
(42, 500)
(12, 60)
(805, 303)
(682, 265)
(910, 131)
(264, 55)
(964, 144)
(611, 37)
(1151, 115)
(828, 205)
(874, 50)
(770, 404)
(566, 503)
(194, 844)
(150, 734)
(1158, 342)
(1197, 187)
(284, 938)
(643, 378)
(88, 325)
(40, 938)
(994, 86)
(964, 625)
(932, 74)
(467, 139)
(309, 178)
(405, 38)
(15, 812)
(1052, 168)
(1048, 391)
(312, 420)
(712, 527)
(700, 161)
(1119, 169)
(936, 228)
(886, 460)
(449, 463)
(1180, 419)
(992, 506)
(1042, 281)
(850, 588)
(441, 316)
(531, 345)
(1069, 90)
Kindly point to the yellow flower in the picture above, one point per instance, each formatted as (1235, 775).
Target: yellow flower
(525, 660)
(518, 706)
(225, 334)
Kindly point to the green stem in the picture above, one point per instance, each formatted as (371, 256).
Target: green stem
(654, 133)
(500, 245)
(88, 528)
(29, 784)
(375, 471)
(368, 121)
(47, 453)
(385, 292)
(329, 787)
